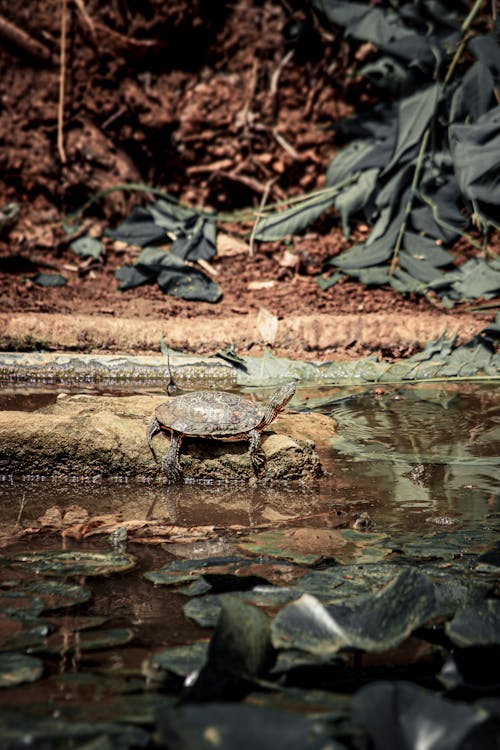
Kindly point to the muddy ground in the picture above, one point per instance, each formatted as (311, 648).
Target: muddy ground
(224, 106)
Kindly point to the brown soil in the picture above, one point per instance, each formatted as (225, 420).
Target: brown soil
(220, 104)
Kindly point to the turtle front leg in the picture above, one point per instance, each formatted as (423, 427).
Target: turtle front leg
(257, 455)
(153, 429)
(170, 463)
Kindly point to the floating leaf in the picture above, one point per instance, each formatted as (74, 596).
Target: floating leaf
(56, 594)
(376, 623)
(245, 727)
(72, 562)
(182, 660)
(239, 652)
(18, 668)
(477, 625)
(401, 716)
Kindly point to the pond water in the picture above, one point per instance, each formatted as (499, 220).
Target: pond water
(412, 476)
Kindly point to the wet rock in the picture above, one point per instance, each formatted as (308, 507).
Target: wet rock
(86, 435)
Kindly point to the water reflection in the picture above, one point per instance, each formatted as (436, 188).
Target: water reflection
(411, 456)
(422, 449)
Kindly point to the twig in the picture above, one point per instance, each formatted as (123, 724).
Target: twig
(21, 509)
(273, 87)
(21, 41)
(263, 202)
(285, 145)
(409, 204)
(62, 77)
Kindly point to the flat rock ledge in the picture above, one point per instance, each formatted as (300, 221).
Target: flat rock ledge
(89, 436)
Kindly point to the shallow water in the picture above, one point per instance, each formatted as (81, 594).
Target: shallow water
(413, 457)
(421, 461)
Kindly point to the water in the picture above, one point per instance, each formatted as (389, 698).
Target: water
(421, 462)
(413, 457)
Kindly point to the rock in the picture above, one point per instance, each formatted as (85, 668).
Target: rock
(85, 435)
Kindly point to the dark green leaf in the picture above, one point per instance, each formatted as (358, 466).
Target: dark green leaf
(239, 652)
(294, 219)
(139, 229)
(355, 197)
(474, 94)
(364, 22)
(475, 149)
(49, 279)
(172, 275)
(477, 625)
(413, 116)
(246, 727)
(376, 623)
(182, 660)
(401, 716)
(18, 668)
(423, 248)
(87, 247)
(487, 50)
(72, 562)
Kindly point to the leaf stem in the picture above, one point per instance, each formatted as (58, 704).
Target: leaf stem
(409, 204)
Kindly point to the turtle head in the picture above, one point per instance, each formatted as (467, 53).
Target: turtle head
(278, 401)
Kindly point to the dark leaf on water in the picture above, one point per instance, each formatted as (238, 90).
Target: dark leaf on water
(19, 668)
(49, 279)
(402, 716)
(182, 660)
(246, 727)
(72, 562)
(239, 652)
(374, 623)
(477, 625)
(56, 733)
(56, 594)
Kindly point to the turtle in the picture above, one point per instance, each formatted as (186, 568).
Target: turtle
(214, 414)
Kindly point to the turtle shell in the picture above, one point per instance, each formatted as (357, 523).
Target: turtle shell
(209, 413)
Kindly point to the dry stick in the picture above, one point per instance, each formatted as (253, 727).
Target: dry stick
(62, 77)
(21, 41)
(263, 201)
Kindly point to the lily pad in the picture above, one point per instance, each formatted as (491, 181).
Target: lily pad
(401, 716)
(302, 545)
(182, 660)
(85, 640)
(18, 668)
(371, 623)
(476, 625)
(239, 652)
(73, 562)
(246, 727)
(55, 594)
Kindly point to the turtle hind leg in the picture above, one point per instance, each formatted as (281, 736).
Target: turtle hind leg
(154, 428)
(257, 455)
(170, 463)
